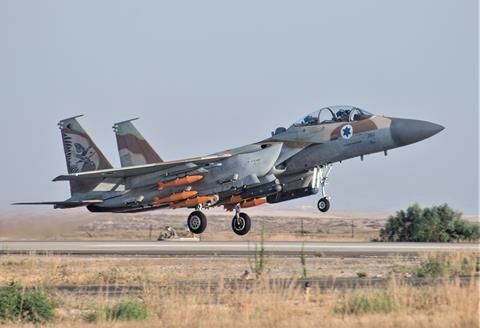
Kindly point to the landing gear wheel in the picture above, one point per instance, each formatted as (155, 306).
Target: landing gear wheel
(323, 204)
(197, 222)
(241, 224)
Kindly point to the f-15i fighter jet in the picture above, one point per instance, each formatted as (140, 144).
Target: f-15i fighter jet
(292, 163)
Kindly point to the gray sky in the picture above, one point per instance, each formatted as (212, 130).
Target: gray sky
(210, 75)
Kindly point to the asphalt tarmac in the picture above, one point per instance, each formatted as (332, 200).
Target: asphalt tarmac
(225, 248)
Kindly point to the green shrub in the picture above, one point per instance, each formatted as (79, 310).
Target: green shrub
(18, 305)
(433, 268)
(466, 230)
(94, 316)
(447, 265)
(375, 303)
(435, 224)
(127, 310)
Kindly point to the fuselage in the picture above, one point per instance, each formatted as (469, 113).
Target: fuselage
(282, 166)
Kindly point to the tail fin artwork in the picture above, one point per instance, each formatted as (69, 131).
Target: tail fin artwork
(133, 149)
(81, 154)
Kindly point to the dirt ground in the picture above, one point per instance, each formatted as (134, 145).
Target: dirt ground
(298, 224)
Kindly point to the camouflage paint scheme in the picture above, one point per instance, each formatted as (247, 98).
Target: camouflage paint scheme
(282, 167)
(81, 154)
(133, 149)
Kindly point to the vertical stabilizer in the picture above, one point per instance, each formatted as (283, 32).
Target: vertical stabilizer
(133, 149)
(81, 154)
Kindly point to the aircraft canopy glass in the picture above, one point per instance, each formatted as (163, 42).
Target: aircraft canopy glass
(333, 114)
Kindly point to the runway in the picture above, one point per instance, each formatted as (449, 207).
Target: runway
(224, 248)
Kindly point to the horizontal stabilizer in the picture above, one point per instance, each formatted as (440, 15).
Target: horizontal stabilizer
(142, 169)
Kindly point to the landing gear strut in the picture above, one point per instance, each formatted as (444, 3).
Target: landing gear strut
(241, 222)
(197, 222)
(321, 180)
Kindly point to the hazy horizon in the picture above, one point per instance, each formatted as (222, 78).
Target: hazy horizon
(211, 75)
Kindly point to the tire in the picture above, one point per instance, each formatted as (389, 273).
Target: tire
(323, 204)
(242, 225)
(197, 222)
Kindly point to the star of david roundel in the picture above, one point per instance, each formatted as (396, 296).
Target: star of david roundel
(346, 131)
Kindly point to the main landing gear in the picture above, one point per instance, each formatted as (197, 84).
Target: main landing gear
(197, 222)
(241, 222)
(321, 174)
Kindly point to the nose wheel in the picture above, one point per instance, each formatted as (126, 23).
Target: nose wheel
(323, 204)
(321, 174)
(197, 222)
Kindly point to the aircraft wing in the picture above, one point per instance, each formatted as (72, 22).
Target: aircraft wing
(64, 204)
(143, 169)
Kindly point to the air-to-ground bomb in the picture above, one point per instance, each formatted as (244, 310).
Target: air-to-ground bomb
(234, 199)
(175, 197)
(189, 179)
(253, 202)
(263, 190)
(193, 201)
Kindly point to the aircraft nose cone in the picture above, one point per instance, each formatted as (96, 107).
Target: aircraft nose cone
(406, 131)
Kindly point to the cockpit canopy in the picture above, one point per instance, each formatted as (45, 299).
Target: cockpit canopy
(333, 114)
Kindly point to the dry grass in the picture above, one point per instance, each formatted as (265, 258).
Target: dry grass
(444, 304)
(35, 270)
(271, 307)
(448, 304)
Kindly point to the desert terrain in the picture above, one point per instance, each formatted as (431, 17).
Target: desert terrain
(302, 223)
(431, 289)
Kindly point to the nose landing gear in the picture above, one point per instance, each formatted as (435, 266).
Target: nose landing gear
(321, 174)
(323, 204)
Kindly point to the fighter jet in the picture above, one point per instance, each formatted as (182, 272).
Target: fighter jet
(294, 162)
